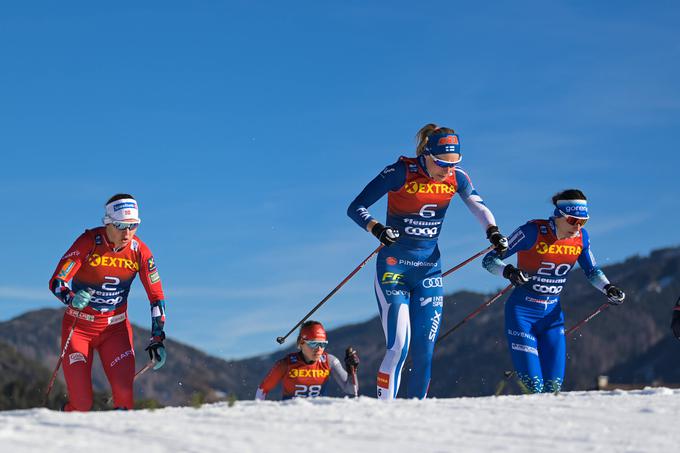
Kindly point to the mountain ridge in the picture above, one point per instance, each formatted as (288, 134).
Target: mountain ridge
(631, 343)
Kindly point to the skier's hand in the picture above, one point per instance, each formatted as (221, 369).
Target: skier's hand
(675, 324)
(614, 295)
(156, 350)
(81, 299)
(351, 359)
(516, 276)
(385, 234)
(497, 239)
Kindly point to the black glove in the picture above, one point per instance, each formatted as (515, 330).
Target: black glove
(675, 324)
(385, 234)
(614, 295)
(516, 276)
(497, 239)
(157, 350)
(351, 359)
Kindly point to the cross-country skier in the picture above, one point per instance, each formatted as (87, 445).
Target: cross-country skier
(93, 279)
(408, 282)
(534, 323)
(305, 373)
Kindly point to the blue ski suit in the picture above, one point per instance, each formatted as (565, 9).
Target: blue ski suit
(534, 322)
(408, 283)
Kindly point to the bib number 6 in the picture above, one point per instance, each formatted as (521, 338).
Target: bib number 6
(427, 212)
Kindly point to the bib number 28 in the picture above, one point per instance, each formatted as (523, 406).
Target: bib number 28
(307, 390)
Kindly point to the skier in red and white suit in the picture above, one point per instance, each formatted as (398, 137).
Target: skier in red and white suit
(305, 373)
(93, 279)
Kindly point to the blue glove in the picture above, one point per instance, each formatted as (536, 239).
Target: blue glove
(157, 351)
(81, 299)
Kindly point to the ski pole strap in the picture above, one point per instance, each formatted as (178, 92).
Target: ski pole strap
(473, 257)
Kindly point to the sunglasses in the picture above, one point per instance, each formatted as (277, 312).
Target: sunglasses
(125, 225)
(316, 344)
(446, 163)
(571, 220)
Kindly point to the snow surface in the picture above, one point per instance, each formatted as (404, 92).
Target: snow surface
(617, 421)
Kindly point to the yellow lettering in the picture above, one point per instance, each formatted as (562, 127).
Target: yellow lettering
(542, 248)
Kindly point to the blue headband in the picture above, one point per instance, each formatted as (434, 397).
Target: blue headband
(572, 208)
(442, 144)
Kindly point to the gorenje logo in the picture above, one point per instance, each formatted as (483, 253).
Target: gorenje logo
(569, 209)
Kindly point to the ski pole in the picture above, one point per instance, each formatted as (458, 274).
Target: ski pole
(61, 358)
(586, 319)
(63, 351)
(282, 339)
(473, 257)
(467, 318)
(475, 313)
(146, 368)
(568, 333)
(355, 382)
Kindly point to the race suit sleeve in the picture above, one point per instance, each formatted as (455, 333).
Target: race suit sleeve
(148, 274)
(587, 262)
(473, 200)
(520, 239)
(271, 380)
(390, 179)
(69, 265)
(342, 377)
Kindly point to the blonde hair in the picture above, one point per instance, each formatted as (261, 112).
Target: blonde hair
(425, 132)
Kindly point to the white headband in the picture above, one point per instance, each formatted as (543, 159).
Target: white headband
(124, 210)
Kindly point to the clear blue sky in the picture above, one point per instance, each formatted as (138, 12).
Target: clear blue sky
(245, 129)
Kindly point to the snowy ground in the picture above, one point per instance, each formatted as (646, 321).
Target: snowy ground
(636, 421)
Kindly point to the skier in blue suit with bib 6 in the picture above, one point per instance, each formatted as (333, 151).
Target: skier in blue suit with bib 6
(408, 284)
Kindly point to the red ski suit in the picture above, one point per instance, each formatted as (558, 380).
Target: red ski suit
(93, 264)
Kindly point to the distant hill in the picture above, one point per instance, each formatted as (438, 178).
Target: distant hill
(22, 381)
(631, 343)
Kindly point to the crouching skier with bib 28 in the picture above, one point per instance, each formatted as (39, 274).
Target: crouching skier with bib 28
(305, 373)
(534, 323)
(93, 279)
(408, 284)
